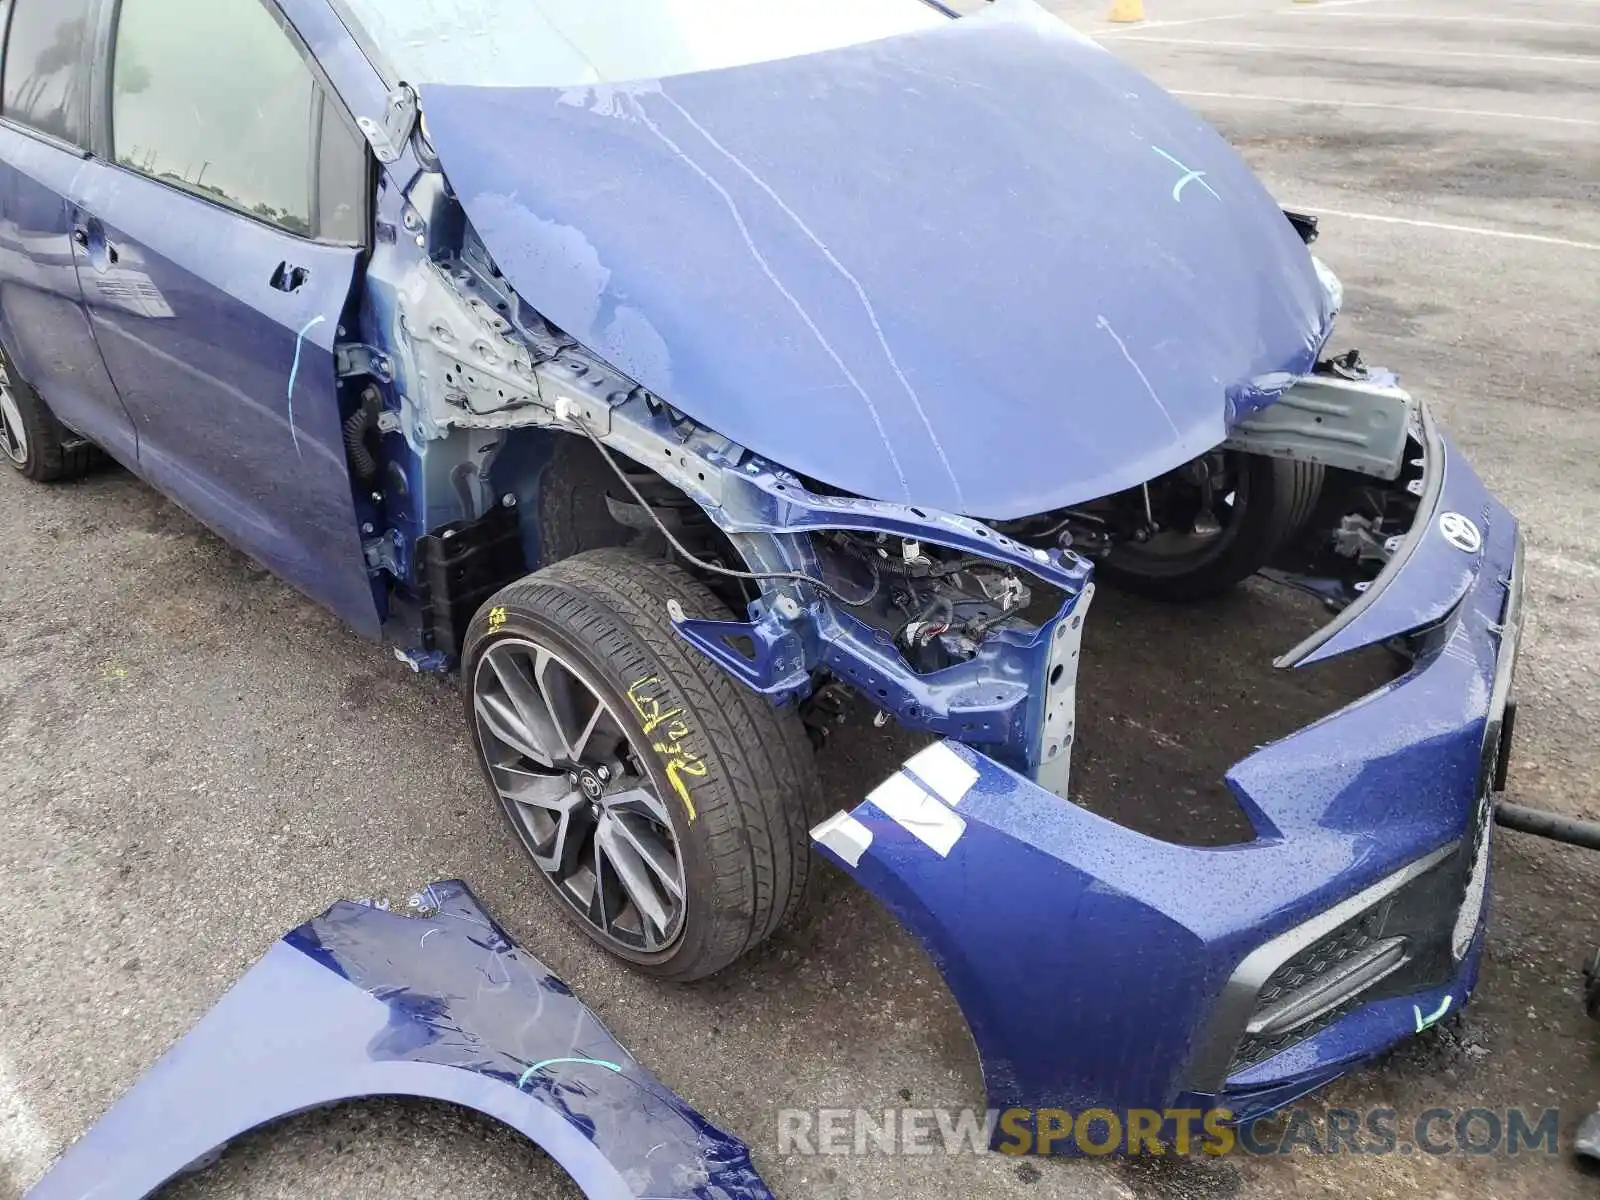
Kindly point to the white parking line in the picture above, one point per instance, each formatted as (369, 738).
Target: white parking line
(1298, 48)
(1477, 230)
(1537, 22)
(24, 1143)
(1257, 98)
(1238, 16)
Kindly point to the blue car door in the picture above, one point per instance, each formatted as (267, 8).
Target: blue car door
(221, 229)
(44, 136)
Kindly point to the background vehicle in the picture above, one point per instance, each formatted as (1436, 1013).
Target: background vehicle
(775, 428)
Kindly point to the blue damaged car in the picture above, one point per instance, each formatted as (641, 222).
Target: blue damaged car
(681, 372)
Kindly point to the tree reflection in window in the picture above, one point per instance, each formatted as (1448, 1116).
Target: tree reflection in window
(46, 69)
(212, 95)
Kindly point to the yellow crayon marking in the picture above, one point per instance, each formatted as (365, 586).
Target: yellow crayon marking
(497, 618)
(675, 733)
(678, 767)
(681, 761)
(649, 707)
(650, 724)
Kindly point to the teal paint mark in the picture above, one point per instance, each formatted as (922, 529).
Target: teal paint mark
(294, 374)
(1189, 176)
(546, 1062)
(1424, 1021)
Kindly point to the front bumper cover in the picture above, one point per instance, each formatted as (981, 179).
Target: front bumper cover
(1099, 967)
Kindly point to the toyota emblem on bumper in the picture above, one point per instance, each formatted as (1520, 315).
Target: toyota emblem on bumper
(1460, 532)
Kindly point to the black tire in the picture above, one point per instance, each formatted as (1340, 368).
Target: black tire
(572, 513)
(743, 836)
(1277, 497)
(31, 439)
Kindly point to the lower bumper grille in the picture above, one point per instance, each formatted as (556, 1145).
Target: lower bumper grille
(1401, 943)
(1314, 989)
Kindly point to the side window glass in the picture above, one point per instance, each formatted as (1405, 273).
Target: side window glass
(47, 67)
(341, 179)
(213, 95)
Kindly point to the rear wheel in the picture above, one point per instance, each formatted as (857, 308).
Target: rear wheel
(1257, 505)
(667, 807)
(31, 439)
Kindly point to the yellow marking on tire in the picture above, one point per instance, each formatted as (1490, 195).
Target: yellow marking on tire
(678, 767)
(649, 707)
(680, 760)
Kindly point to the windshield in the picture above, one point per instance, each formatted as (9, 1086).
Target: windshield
(561, 43)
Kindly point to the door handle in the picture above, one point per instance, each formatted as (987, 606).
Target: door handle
(90, 236)
(289, 278)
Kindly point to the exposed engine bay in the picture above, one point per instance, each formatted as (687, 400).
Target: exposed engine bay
(938, 606)
(504, 443)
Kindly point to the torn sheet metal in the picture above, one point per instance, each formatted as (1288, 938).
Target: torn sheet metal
(1355, 425)
(360, 1002)
(893, 265)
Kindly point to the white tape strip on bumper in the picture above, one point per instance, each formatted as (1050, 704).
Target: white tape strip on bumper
(845, 836)
(929, 818)
(949, 775)
(905, 797)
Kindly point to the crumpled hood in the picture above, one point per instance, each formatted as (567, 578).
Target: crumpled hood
(987, 268)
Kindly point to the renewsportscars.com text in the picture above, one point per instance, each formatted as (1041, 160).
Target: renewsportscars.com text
(1179, 1131)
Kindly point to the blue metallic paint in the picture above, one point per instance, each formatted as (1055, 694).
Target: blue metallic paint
(413, 508)
(1087, 957)
(1344, 1046)
(46, 328)
(894, 266)
(230, 381)
(359, 1002)
(144, 316)
(353, 78)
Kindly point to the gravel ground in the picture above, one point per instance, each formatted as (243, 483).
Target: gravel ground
(196, 758)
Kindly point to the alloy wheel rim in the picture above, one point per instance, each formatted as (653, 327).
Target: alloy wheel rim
(13, 437)
(569, 777)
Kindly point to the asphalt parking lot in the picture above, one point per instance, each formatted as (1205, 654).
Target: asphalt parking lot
(195, 758)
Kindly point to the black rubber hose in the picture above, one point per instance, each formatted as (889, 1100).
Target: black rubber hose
(356, 427)
(1549, 825)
